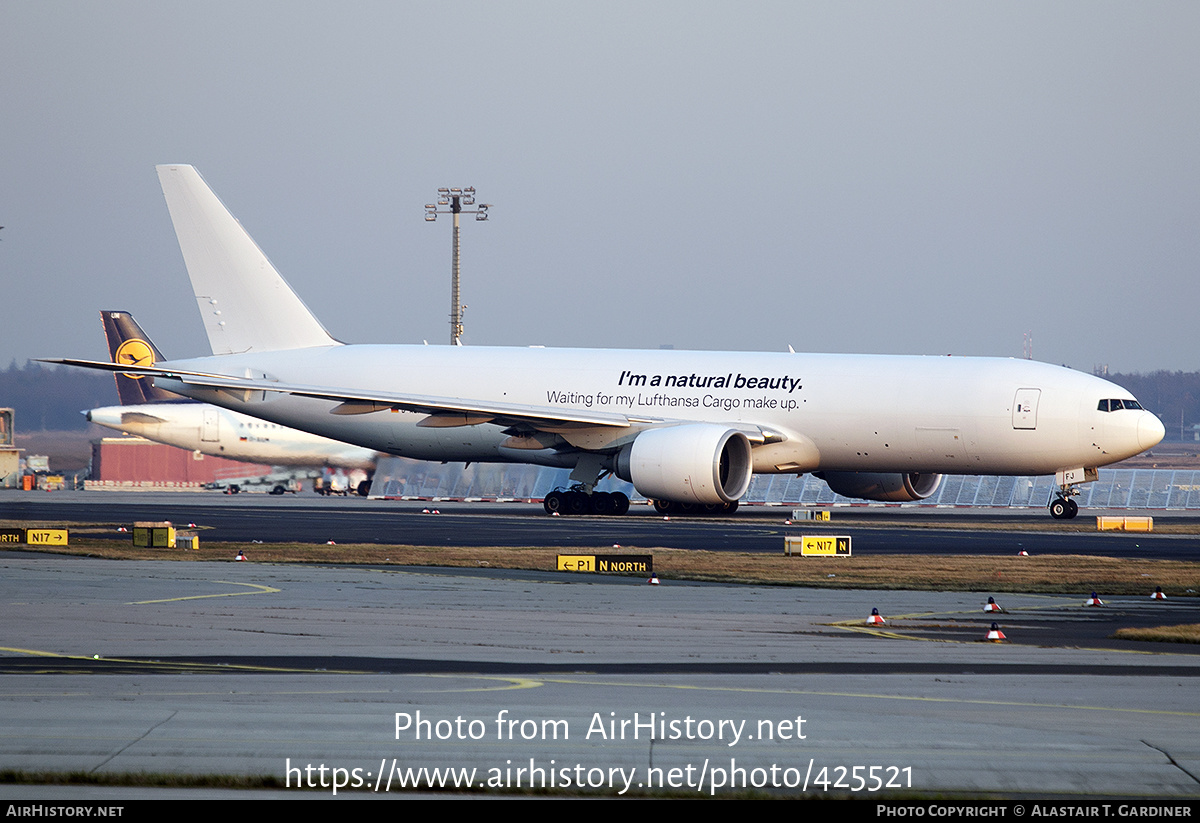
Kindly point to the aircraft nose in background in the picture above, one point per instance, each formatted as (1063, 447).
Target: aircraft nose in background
(108, 416)
(1150, 431)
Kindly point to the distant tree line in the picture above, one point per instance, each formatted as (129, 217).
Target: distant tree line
(48, 398)
(1173, 395)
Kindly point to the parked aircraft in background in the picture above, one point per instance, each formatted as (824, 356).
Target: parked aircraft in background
(165, 417)
(688, 429)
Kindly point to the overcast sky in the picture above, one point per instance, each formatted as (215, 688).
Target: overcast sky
(854, 177)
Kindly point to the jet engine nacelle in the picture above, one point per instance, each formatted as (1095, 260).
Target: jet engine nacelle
(892, 488)
(691, 463)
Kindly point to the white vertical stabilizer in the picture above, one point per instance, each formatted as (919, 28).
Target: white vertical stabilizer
(245, 303)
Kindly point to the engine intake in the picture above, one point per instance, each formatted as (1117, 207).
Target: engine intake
(691, 463)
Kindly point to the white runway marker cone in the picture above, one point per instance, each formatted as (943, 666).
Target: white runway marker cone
(876, 619)
(653, 581)
(992, 606)
(241, 555)
(1094, 601)
(994, 635)
(1022, 553)
(1158, 594)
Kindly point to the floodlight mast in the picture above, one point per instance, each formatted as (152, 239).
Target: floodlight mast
(456, 198)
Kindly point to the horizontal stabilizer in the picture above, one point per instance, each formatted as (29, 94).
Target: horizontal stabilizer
(245, 304)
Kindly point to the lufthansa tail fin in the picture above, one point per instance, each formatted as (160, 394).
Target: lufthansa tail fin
(129, 345)
(245, 303)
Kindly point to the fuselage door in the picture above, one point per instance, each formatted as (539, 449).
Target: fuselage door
(210, 430)
(1025, 407)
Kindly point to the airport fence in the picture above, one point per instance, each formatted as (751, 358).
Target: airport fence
(398, 477)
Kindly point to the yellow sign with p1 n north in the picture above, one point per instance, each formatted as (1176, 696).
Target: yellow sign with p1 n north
(607, 563)
(818, 546)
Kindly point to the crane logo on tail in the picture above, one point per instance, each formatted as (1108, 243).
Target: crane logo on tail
(134, 352)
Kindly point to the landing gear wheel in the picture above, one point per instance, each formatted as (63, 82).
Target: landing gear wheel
(731, 507)
(663, 506)
(620, 503)
(554, 502)
(603, 503)
(1059, 509)
(364, 488)
(577, 503)
(1072, 509)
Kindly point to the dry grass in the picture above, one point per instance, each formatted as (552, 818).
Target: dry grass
(1162, 634)
(1048, 574)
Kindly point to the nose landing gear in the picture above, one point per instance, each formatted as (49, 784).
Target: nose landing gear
(1062, 507)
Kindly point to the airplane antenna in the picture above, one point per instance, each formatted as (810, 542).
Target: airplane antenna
(456, 198)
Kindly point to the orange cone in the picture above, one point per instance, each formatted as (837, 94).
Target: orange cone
(1022, 553)
(992, 606)
(241, 555)
(875, 619)
(1094, 601)
(994, 635)
(1158, 594)
(653, 581)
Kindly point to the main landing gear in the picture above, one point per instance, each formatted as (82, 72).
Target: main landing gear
(669, 507)
(577, 501)
(1062, 507)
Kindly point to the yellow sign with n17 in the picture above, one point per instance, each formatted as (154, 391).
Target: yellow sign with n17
(824, 545)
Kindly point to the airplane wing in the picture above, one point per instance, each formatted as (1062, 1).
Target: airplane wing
(443, 411)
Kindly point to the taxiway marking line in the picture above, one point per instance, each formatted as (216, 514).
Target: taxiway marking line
(258, 590)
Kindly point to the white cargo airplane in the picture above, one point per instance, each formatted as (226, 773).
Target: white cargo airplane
(164, 417)
(688, 429)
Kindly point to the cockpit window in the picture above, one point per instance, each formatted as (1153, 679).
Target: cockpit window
(1116, 404)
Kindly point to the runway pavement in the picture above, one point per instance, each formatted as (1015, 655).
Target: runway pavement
(362, 677)
(313, 519)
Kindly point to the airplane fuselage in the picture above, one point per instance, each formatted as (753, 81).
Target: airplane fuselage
(845, 413)
(224, 433)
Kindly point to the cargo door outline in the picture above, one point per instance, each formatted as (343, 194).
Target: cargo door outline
(1025, 408)
(210, 428)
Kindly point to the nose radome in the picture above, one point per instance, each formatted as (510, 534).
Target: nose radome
(1150, 431)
